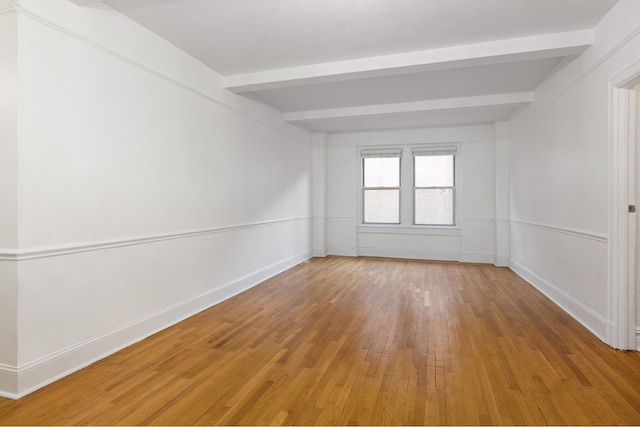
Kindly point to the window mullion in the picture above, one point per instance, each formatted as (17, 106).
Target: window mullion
(406, 189)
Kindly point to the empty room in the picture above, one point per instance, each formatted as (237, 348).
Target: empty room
(319, 212)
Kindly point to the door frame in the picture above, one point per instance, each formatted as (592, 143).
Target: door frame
(621, 286)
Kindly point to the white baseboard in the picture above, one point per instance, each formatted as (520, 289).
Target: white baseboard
(18, 382)
(427, 255)
(638, 338)
(8, 381)
(408, 254)
(320, 253)
(591, 320)
(501, 261)
(342, 251)
(479, 258)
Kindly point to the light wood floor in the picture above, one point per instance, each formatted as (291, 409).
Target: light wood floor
(358, 341)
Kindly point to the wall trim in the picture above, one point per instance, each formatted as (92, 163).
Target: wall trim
(564, 230)
(622, 146)
(477, 257)
(117, 55)
(586, 316)
(416, 230)
(638, 338)
(471, 219)
(501, 261)
(8, 381)
(342, 251)
(409, 254)
(7, 10)
(51, 251)
(41, 372)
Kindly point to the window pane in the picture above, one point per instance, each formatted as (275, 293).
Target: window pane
(434, 206)
(434, 171)
(382, 172)
(382, 206)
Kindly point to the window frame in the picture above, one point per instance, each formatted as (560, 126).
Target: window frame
(382, 153)
(423, 152)
(406, 153)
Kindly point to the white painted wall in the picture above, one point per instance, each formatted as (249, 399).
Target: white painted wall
(146, 192)
(319, 178)
(473, 237)
(8, 195)
(502, 196)
(559, 174)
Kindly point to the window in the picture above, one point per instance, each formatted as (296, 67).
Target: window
(381, 187)
(423, 181)
(433, 187)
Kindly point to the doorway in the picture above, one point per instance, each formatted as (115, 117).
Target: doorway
(636, 144)
(624, 221)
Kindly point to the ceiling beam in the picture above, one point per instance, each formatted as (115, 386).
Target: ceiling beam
(486, 101)
(86, 2)
(493, 52)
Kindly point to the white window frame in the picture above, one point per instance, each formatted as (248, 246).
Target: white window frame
(380, 153)
(433, 151)
(407, 208)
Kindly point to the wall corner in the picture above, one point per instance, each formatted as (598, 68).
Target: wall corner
(502, 189)
(319, 193)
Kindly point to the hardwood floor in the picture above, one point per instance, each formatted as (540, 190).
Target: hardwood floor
(358, 341)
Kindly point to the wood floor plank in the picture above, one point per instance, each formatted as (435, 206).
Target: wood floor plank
(358, 341)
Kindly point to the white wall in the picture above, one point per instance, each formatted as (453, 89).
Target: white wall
(319, 191)
(559, 174)
(473, 237)
(8, 195)
(146, 192)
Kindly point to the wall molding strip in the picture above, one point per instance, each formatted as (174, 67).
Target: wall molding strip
(472, 219)
(8, 255)
(8, 381)
(25, 12)
(45, 252)
(430, 255)
(501, 261)
(564, 230)
(477, 257)
(415, 231)
(7, 10)
(349, 251)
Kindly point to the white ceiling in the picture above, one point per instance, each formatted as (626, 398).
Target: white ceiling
(350, 65)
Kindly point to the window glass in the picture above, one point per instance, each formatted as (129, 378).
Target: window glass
(381, 172)
(434, 171)
(433, 206)
(382, 206)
